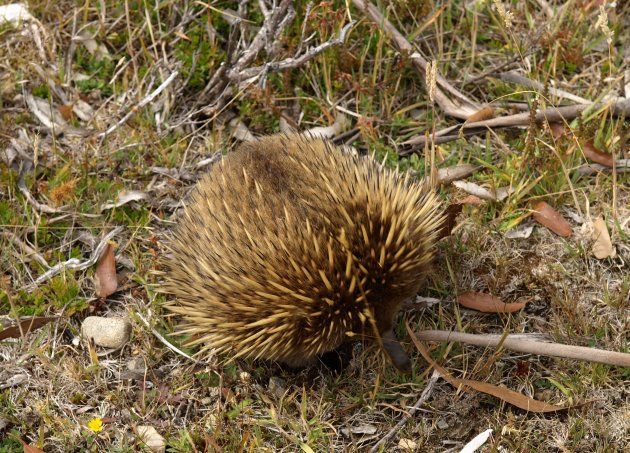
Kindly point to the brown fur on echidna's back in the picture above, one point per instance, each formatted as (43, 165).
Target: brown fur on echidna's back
(291, 245)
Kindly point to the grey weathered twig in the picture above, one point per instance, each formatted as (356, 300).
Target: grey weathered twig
(620, 107)
(41, 207)
(238, 73)
(164, 341)
(75, 263)
(513, 77)
(294, 62)
(520, 344)
(141, 104)
(28, 251)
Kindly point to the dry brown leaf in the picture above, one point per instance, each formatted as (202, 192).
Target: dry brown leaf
(66, 111)
(487, 303)
(471, 199)
(485, 113)
(504, 394)
(600, 157)
(105, 279)
(28, 325)
(551, 219)
(602, 245)
(450, 220)
(27, 448)
(558, 130)
(182, 35)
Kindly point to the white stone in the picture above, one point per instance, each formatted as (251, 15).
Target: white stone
(107, 332)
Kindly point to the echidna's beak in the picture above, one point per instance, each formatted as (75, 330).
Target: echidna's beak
(395, 352)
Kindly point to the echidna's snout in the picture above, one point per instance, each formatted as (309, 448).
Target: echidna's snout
(396, 353)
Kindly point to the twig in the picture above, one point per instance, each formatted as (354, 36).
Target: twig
(423, 398)
(513, 77)
(141, 104)
(235, 75)
(165, 341)
(463, 107)
(294, 62)
(620, 107)
(519, 344)
(74, 263)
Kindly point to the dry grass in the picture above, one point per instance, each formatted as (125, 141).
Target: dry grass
(258, 406)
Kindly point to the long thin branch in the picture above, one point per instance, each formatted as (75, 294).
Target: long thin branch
(513, 77)
(620, 107)
(519, 344)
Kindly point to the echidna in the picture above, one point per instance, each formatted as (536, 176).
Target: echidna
(291, 245)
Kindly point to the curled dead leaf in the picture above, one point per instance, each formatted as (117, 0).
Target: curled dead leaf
(551, 219)
(66, 111)
(27, 447)
(594, 154)
(124, 197)
(26, 326)
(602, 245)
(105, 278)
(558, 130)
(483, 193)
(452, 211)
(487, 303)
(483, 114)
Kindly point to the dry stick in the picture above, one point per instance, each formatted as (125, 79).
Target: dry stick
(297, 61)
(74, 263)
(517, 343)
(464, 107)
(513, 77)
(620, 107)
(141, 104)
(230, 70)
(423, 398)
(240, 74)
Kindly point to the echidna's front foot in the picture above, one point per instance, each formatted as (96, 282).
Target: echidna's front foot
(396, 353)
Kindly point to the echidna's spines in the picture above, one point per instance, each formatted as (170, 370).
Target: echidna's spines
(300, 254)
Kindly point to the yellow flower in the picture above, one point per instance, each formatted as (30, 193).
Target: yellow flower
(95, 425)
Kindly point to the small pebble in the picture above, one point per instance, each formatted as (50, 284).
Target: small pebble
(107, 332)
(244, 377)
(137, 364)
(442, 424)
(277, 386)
